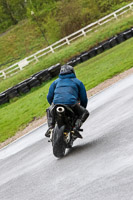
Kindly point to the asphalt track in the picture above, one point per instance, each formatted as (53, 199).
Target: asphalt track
(98, 167)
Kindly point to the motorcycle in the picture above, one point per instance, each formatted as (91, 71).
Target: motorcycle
(63, 136)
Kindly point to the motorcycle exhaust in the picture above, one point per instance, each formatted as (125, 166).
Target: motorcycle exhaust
(60, 109)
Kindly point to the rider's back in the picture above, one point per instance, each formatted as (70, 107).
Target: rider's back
(67, 89)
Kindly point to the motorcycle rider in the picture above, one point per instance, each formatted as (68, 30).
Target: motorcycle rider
(68, 90)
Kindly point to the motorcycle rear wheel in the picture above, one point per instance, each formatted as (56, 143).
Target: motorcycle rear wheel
(58, 143)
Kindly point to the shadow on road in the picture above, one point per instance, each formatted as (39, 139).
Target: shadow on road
(82, 147)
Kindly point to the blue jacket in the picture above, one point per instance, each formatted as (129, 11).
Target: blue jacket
(67, 89)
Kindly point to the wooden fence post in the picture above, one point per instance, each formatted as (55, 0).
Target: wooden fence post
(115, 15)
(68, 42)
(36, 58)
(84, 33)
(4, 74)
(52, 50)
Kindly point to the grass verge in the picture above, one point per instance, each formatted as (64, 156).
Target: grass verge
(64, 54)
(16, 115)
(25, 38)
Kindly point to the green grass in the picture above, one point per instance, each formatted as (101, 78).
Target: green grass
(64, 54)
(21, 41)
(25, 38)
(16, 115)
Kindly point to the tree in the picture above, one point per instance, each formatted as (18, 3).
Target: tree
(11, 12)
(8, 11)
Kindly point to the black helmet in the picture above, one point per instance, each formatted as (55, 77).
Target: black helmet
(66, 69)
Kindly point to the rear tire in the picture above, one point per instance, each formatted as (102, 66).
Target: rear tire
(58, 143)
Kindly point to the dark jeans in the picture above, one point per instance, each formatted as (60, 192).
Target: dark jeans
(79, 110)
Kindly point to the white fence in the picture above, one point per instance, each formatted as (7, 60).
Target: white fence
(15, 68)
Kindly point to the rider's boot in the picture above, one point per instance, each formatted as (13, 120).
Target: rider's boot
(51, 122)
(79, 123)
(76, 129)
(77, 134)
(49, 131)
